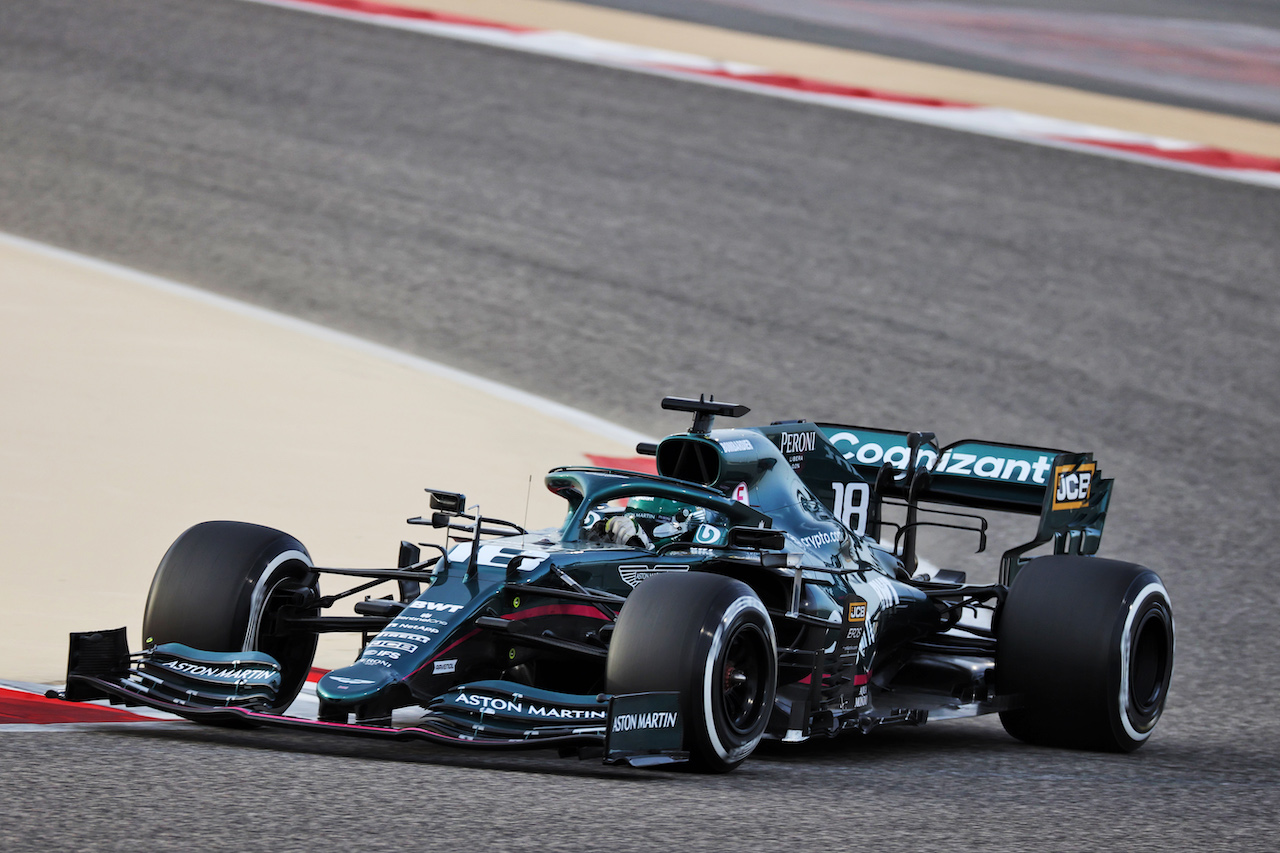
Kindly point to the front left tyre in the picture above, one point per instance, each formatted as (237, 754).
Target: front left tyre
(222, 586)
(709, 638)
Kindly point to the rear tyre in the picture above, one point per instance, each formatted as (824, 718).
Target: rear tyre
(220, 588)
(1087, 645)
(709, 638)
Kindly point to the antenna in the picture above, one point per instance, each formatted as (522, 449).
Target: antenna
(527, 492)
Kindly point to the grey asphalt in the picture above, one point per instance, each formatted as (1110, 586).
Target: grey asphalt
(603, 239)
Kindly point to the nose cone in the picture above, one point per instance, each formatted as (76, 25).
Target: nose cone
(354, 684)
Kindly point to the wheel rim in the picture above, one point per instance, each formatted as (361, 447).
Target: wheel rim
(1149, 664)
(742, 679)
(293, 652)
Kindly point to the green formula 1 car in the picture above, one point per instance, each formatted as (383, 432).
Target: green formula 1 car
(763, 584)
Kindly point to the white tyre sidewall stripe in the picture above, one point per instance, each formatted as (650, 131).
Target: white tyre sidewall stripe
(711, 673)
(1147, 593)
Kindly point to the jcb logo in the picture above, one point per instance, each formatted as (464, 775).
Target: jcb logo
(857, 610)
(1071, 485)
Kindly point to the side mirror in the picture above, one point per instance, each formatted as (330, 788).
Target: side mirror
(448, 501)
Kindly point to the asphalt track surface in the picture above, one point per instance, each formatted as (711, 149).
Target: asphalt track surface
(604, 238)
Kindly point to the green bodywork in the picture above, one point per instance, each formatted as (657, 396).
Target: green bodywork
(814, 482)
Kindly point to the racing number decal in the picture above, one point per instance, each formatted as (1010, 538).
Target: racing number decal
(851, 505)
(498, 556)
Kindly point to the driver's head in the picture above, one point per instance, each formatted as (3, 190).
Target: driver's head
(666, 520)
(647, 522)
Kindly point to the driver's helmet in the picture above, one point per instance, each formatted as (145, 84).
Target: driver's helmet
(666, 520)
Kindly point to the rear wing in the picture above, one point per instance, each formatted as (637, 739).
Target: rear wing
(1063, 488)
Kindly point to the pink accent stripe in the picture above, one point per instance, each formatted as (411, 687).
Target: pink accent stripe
(569, 609)
(1214, 158)
(388, 10)
(17, 706)
(556, 610)
(793, 83)
(858, 680)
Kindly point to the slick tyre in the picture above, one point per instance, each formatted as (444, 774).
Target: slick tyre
(709, 638)
(1086, 647)
(221, 586)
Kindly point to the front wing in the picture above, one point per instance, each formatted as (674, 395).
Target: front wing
(642, 729)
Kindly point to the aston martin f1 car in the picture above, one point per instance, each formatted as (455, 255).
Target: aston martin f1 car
(763, 584)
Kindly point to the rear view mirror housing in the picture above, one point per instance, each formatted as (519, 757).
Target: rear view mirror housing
(450, 502)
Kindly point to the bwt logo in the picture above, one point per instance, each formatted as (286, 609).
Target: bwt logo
(1071, 485)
